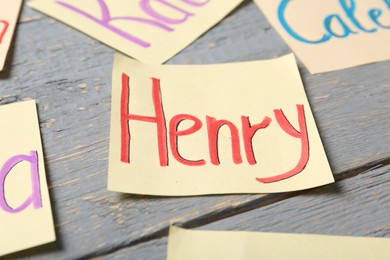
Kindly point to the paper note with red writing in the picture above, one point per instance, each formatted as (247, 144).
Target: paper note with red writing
(151, 31)
(25, 212)
(9, 13)
(329, 35)
(209, 129)
(210, 245)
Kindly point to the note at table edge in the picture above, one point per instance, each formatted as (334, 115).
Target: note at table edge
(205, 245)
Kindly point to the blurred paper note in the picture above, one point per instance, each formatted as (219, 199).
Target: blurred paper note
(25, 211)
(191, 244)
(209, 129)
(9, 13)
(151, 31)
(329, 35)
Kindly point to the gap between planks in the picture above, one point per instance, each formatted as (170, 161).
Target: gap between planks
(261, 201)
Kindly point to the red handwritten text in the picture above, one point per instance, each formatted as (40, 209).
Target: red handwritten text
(3, 30)
(213, 126)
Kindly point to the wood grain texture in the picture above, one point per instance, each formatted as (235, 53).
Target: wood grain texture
(354, 207)
(69, 74)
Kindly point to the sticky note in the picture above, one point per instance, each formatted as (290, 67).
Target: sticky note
(194, 244)
(9, 13)
(151, 31)
(25, 211)
(328, 35)
(210, 129)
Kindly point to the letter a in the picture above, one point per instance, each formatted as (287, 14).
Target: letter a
(149, 10)
(35, 197)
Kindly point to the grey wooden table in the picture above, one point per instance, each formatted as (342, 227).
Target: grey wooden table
(69, 75)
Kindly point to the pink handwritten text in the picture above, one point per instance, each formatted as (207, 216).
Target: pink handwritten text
(213, 126)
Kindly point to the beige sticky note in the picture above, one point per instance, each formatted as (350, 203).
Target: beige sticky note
(209, 129)
(151, 31)
(25, 211)
(329, 35)
(9, 13)
(191, 244)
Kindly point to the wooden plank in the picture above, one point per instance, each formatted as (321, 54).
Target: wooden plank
(359, 206)
(69, 74)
